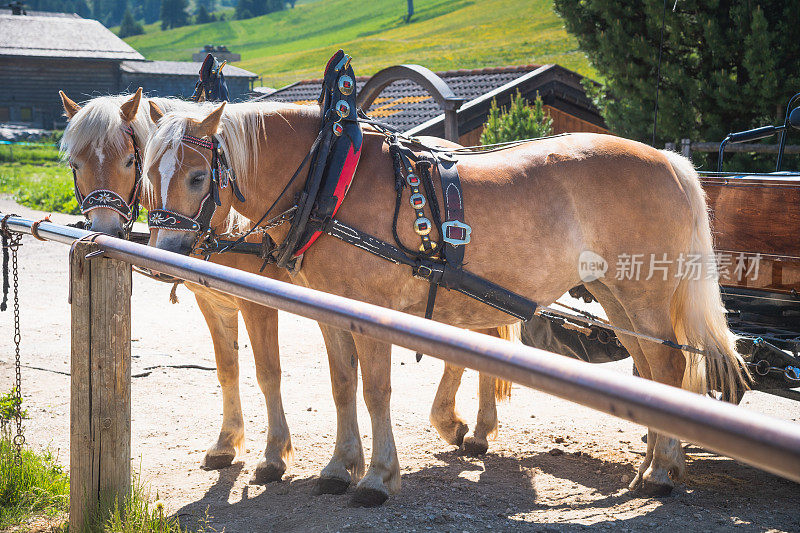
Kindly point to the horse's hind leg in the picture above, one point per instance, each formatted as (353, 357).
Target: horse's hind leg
(486, 426)
(664, 463)
(444, 416)
(478, 442)
(262, 327)
(347, 464)
(222, 317)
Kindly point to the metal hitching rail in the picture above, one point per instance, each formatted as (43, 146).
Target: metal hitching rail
(761, 441)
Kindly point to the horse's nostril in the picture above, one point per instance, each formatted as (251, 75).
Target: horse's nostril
(120, 234)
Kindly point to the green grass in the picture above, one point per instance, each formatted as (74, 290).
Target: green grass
(36, 178)
(38, 487)
(294, 44)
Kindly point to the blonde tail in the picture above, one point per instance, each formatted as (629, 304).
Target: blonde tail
(696, 310)
(513, 333)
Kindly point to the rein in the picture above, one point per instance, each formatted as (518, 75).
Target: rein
(108, 199)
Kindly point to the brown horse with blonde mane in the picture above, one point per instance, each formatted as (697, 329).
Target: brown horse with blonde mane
(98, 144)
(534, 208)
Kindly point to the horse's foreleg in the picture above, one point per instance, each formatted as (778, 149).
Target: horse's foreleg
(222, 318)
(383, 475)
(444, 416)
(347, 464)
(262, 327)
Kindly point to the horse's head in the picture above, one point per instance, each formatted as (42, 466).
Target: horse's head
(100, 144)
(178, 164)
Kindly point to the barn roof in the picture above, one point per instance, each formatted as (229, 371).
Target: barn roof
(409, 107)
(61, 37)
(179, 68)
(404, 104)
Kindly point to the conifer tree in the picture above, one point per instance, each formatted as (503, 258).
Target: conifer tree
(727, 65)
(129, 26)
(519, 121)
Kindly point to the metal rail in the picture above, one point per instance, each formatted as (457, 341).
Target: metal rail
(761, 441)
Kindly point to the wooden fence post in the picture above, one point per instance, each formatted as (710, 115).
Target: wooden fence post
(100, 404)
(686, 148)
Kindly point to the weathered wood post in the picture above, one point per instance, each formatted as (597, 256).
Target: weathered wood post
(100, 405)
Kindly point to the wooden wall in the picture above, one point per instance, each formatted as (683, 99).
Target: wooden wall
(179, 85)
(566, 123)
(34, 83)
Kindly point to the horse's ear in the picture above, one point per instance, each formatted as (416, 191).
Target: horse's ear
(210, 124)
(129, 108)
(70, 107)
(155, 111)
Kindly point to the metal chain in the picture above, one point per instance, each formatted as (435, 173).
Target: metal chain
(19, 439)
(762, 368)
(270, 224)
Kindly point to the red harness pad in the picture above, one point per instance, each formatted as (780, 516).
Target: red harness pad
(338, 100)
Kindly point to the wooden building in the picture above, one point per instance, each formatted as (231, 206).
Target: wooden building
(42, 53)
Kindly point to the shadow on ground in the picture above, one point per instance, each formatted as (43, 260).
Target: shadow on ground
(498, 492)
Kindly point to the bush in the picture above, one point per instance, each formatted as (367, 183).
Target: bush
(520, 121)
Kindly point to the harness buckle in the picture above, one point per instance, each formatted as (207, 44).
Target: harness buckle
(456, 233)
(423, 272)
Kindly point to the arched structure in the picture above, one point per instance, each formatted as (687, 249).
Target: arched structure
(424, 77)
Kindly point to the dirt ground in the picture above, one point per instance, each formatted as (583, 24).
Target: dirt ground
(555, 466)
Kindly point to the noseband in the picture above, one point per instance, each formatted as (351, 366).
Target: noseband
(222, 175)
(108, 199)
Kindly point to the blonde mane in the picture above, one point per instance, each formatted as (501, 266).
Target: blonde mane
(241, 128)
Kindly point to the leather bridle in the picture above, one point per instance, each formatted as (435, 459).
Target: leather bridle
(108, 199)
(222, 175)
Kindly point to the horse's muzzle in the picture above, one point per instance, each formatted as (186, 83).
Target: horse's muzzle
(108, 222)
(180, 242)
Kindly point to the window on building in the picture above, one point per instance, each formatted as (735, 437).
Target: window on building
(5, 114)
(25, 114)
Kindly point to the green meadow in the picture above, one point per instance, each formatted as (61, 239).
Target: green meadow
(294, 44)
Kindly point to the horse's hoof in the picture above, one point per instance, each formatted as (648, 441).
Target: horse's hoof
(267, 474)
(651, 489)
(473, 446)
(330, 485)
(461, 432)
(216, 462)
(365, 497)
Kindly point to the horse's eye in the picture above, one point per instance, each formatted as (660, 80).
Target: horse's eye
(197, 179)
(73, 165)
(129, 163)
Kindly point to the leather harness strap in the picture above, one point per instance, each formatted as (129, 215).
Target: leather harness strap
(455, 233)
(456, 279)
(108, 199)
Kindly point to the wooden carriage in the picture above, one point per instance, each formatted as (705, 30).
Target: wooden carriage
(756, 226)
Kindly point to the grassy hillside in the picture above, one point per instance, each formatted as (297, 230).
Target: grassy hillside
(444, 34)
